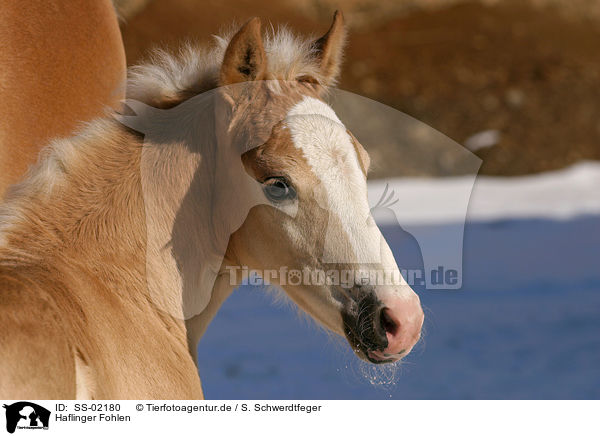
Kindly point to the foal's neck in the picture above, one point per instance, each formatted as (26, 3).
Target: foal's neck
(98, 202)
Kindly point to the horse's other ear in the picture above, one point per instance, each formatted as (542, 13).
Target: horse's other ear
(329, 49)
(245, 59)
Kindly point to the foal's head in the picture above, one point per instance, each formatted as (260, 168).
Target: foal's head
(313, 235)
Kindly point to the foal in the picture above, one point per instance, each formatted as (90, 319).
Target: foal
(117, 251)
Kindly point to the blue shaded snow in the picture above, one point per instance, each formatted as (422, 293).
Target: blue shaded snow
(525, 325)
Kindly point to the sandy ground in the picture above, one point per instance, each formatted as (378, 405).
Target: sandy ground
(529, 72)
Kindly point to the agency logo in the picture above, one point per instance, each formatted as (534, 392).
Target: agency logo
(26, 415)
(424, 226)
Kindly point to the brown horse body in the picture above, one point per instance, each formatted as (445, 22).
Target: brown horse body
(61, 62)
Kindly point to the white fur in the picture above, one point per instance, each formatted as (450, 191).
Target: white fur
(328, 148)
(319, 133)
(84, 379)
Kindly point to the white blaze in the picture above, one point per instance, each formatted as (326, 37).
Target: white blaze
(317, 131)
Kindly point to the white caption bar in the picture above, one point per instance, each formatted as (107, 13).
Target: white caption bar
(305, 418)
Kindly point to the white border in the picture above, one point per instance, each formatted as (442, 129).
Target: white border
(340, 417)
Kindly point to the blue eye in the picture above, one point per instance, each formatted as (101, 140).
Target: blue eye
(277, 189)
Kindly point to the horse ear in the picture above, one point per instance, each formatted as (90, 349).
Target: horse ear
(329, 49)
(245, 58)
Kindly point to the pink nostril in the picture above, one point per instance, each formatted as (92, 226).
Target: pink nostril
(402, 320)
(388, 325)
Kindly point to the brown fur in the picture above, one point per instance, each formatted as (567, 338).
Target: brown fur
(363, 156)
(245, 58)
(76, 312)
(329, 46)
(61, 62)
(75, 266)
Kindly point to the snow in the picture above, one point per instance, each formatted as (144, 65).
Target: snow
(561, 194)
(525, 325)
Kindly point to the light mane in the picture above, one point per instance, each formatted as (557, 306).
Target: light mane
(171, 78)
(167, 80)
